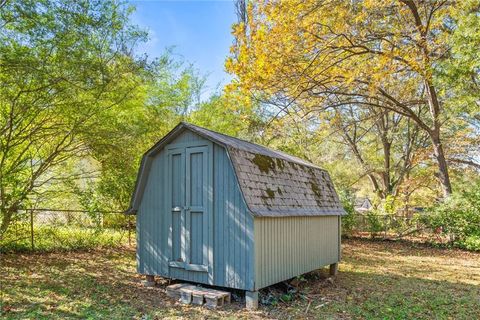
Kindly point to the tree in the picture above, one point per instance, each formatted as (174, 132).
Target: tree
(229, 113)
(65, 66)
(324, 55)
(168, 92)
(386, 145)
(461, 73)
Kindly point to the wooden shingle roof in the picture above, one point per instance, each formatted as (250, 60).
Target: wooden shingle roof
(273, 183)
(276, 187)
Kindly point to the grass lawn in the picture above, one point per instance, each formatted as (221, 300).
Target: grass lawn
(377, 280)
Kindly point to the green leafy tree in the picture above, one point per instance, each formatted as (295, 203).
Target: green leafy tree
(229, 113)
(65, 67)
(459, 217)
(168, 92)
(461, 74)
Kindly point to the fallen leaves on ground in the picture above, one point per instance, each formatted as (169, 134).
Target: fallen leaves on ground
(376, 280)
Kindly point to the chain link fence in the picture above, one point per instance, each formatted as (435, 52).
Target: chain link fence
(391, 226)
(53, 229)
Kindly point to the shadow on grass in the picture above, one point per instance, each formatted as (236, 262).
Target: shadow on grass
(438, 246)
(362, 295)
(376, 281)
(98, 284)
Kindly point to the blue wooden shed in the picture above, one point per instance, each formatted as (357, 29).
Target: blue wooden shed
(217, 210)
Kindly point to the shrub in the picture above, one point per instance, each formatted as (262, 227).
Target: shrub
(375, 224)
(347, 198)
(118, 221)
(471, 243)
(458, 218)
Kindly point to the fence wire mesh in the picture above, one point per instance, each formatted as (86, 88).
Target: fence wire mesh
(52, 229)
(390, 226)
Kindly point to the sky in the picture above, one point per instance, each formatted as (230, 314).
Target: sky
(199, 31)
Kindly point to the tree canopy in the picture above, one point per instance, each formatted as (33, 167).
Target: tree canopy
(65, 67)
(383, 94)
(358, 64)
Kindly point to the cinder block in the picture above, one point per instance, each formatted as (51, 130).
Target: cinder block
(185, 297)
(149, 280)
(191, 294)
(173, 290)
(227, 298)
(251, 300)
(213, 301)
(197, 298)
(174, 294)
(333, 270)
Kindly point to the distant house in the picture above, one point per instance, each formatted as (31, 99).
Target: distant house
(363, 205)
(221, 211)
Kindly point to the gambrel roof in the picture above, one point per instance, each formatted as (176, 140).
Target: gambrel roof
(273, 183)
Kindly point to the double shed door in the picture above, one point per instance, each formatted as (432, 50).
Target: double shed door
(189, 206)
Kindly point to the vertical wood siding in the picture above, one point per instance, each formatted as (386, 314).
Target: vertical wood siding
(150, 231)
(232, 234)
(233, 228)
(290, 246)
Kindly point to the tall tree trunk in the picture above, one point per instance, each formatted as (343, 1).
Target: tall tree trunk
(438, 151)
(443, 175)
(6, 216)
(383, 126)
(387, 181)
(433, 103)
